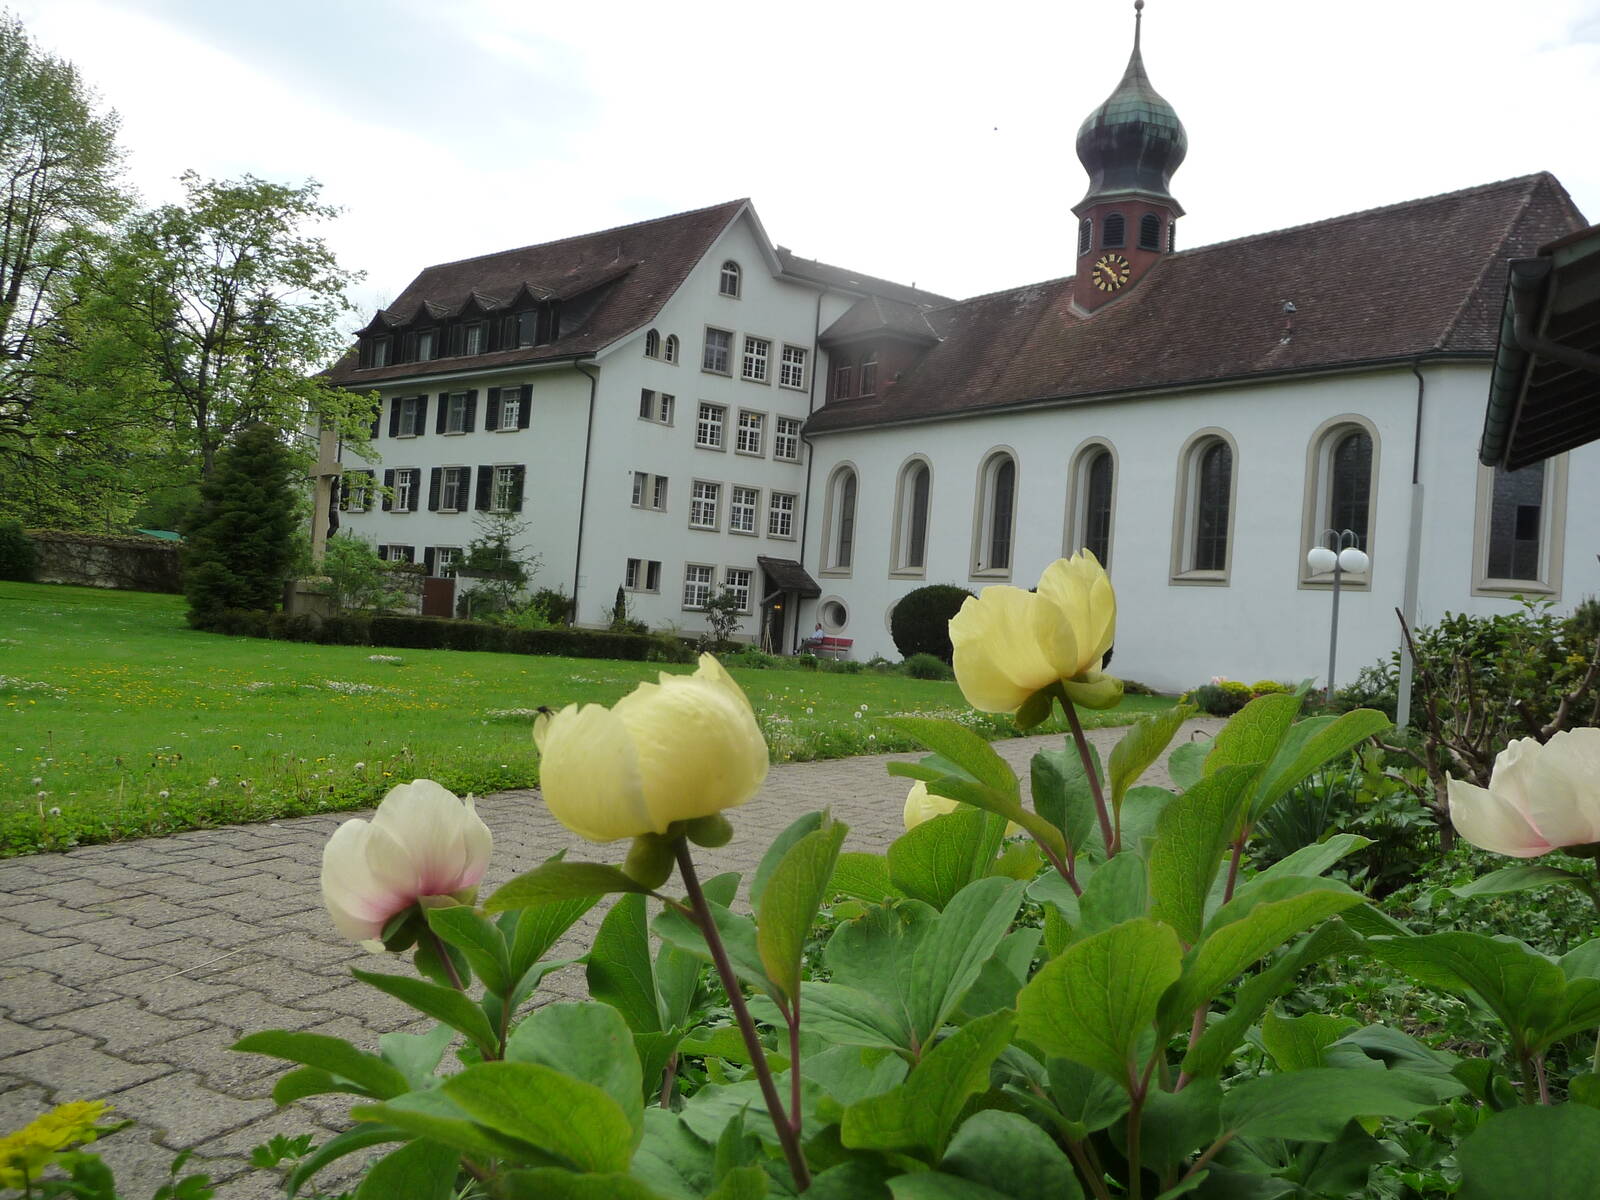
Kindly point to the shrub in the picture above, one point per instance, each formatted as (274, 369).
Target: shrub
(921, 620)
(1268, 687)
(238, 550)
(1223, 698)
(927, 666)
(19, 559)
(751, 659)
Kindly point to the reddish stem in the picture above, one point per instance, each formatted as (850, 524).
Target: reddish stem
(1107, 834)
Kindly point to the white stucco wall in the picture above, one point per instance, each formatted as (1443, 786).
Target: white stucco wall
(1263, 622)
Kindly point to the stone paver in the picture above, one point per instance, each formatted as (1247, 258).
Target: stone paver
(127, 971)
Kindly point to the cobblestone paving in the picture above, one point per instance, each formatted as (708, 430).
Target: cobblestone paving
(127, 971)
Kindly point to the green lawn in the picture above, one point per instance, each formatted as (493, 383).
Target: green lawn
(117, 720)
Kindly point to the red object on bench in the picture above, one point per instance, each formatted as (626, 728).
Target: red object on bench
(836, 646)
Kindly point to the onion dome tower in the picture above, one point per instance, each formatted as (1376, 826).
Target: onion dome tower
(1130, 146)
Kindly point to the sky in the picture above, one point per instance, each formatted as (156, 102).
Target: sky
(929, 143)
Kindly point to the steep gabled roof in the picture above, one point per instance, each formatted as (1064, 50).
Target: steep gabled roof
(845, 280)
(654, 256)
(873, 316)
(1382, 285)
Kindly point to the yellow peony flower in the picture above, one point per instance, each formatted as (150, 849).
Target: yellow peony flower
(1010, 644)
(922, 805)
(683, 748)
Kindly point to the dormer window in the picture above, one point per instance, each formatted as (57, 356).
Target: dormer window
(1085, 235)
(729, 283)
(473, 339)
(869, 374)
(527, 327)
(424, 345)
(1150, 232)
(843, 378)
(1114, 232)
(379, 356)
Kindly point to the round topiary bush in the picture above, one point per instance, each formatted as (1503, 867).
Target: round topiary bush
(19, 559)
(927, 666)
(920, 623)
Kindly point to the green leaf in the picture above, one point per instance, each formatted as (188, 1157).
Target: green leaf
(934, 1185)
(619, 971)
(1253, 735)
(477, 938)
(796, 887)
(1187, 764)
(847, 1074)
(1141, 813)
(1140, 746)
(445, 1004)
(561, 880)
(362, 1137)
(1297, 1043)
(1063, 796)
(1520, 878)
(1012, 1155)
(1582, 961)
(1118, 891)
(334, 1055)
(587, 1042)
(1230, 945)
(1308, 860)
(1301, 755)
(843, 1016)
(419, 1170)
(935, 860)
(950, 957)
(534, 931)
(311, 1081)
(1094, 1002)
(919, 1114)
(864, 876)
(727, 1043)
(1175, 1125)
(416, 1055)
(738, 935)
(960, 746)
(553, 1183)
(797, 829)
(433, 1114)
(677, 982)
(1536, 1151)
(562, 1116)
(1315, 1105)
(1523, 988)
(1035, 710)
(1085, 1099)
(1192, 836)
(741, 1183)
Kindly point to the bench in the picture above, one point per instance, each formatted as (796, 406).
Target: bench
(833, 647)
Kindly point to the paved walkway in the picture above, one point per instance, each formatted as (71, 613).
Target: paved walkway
(127, 970)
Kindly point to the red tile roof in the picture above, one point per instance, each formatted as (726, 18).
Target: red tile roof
(1382, 285)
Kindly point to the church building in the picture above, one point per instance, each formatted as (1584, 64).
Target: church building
(680, 406)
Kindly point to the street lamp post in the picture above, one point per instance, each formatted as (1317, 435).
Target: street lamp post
(1336, 552)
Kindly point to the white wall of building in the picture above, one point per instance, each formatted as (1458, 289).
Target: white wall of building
(1264, 621)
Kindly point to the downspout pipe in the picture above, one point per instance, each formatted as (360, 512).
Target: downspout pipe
(811, 454)
(1408, 597)
(583, 486)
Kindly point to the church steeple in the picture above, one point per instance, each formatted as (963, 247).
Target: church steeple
(1130, 146)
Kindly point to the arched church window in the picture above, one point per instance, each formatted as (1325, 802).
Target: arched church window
(1092, 490)
(1203, 521)
(1341, 480)
(839, 535)
(997, 504)
(1114, 232)
(911, 516)
(1150, 232)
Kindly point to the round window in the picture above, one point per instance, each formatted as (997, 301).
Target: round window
(833, 615)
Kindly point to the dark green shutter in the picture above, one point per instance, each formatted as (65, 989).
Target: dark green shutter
(394, 417)
(443, 415)
(526, 410)
(433, 489)
(422, 415)
(427, 558)
(491, 416)
(485, 482)
(472, 410)
(388, 490)
(516, 489)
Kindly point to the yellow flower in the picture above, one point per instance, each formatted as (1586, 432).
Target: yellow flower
(922, 805)
(683, 748)
(28, 1151)
(1010, 644)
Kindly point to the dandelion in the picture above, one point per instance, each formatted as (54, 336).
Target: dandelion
(55, 811)
(163, 793)
(43, 794)
(809, 711)
(361, 766)
(856, 715)
(212, 782)
(37, 781)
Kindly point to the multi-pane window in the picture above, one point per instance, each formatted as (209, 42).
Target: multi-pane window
(1350, 484)
(756, 353)
(455, 420)
(394, 553)
(780, 515)
(1097, 507)
(424, 345)
(658, 493)
(641, 482)
(696, 585)
(1213, 493)
(507, 495)
(411, 416)
(708, 426)
(728, 283)
(652, 349)
(737, 581)
(630, 576)
(792, 371)
(655, 406)
(445, 559)
(642, 575)
(380, 352)
(652, 576)
(649, 491)
(786, 440)
(743, 503)
(869, 374)
(1516, 520)
(912, 525)
(453, 487)
(510, 408)
(751, 426)
(841, 536)
(473, 340)
(999, 495)
(703, 500)
(405, 490)
(528, 328)
(670, 350)
(719, 349)
(843, 375)
(356, 495)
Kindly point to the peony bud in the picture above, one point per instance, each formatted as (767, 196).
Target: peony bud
(922, 805)
(422, 841)
(672, 751)
(1539, 798)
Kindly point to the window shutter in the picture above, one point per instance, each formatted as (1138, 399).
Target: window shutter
(485, 482)
(491, 416)
(422, 415)
(443, 414)
(388, 490)
(394, 417)
(427, 558)
(472, 410)
(526, 410)
(410, 553)
(516, 489)
(433, 489)
(372, 427)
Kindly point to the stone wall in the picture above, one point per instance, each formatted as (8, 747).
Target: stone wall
(135, 563)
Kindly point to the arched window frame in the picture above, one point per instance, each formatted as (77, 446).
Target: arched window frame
(1114, 232)
(730, 280)
(903, 534)
(1150, 232)
(1316, 509)
(994, 514)
(669, 349)
(1186, 510)
(652, 344)
(1552, 536)
(1075, 529)
(840, 527)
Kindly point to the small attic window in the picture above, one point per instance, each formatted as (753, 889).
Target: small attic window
(652, 344)
(1085, 235)
(670, 353)
(1149, 232)
(729, 284)
(379, 356)
(1114, 231)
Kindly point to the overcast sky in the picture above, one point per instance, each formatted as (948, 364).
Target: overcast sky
(929, 142)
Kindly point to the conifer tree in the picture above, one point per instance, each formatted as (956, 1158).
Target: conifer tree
(241, 543)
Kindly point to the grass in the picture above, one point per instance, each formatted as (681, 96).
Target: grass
(117, 720)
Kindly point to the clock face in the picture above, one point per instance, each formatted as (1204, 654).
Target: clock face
(1111, 272)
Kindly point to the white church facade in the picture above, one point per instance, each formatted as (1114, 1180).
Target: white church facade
(679, 406)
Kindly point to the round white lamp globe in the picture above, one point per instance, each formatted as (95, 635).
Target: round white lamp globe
(1353, 561)
(1321, 560)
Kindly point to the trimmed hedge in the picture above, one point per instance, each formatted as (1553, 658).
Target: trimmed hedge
(920, 623)
(429, 633)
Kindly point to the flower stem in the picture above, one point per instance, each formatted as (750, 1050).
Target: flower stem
(1109, 835)
(1544, 1084)
(787, 1135)
(443, 954)
(1233, 868)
